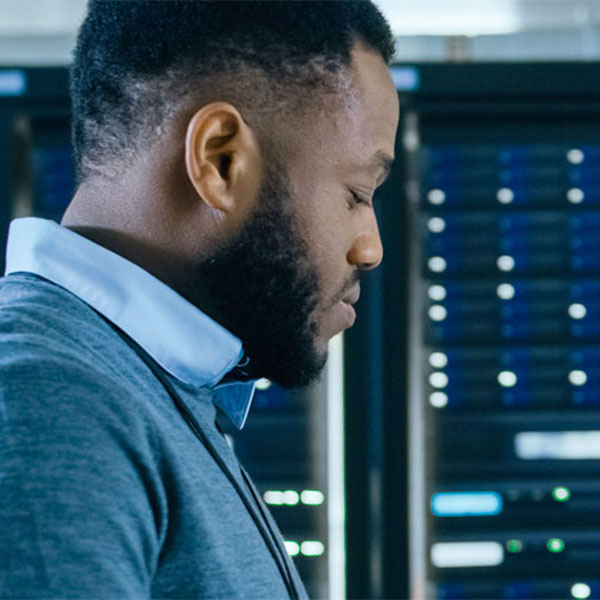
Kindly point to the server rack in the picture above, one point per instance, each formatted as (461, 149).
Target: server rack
(36, 165)
(480, 403)
(284, 445)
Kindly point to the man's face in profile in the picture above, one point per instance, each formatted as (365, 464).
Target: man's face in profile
(288, 281)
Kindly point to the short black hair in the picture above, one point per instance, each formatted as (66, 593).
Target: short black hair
(135, 60)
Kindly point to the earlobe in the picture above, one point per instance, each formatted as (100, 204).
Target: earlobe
(222, 157)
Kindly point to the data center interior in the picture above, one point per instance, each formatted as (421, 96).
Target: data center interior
(451, 450)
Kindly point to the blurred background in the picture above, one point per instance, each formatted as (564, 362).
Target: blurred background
(452, 449)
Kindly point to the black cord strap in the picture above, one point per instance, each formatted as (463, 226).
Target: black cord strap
(274, 536)
(260, 520)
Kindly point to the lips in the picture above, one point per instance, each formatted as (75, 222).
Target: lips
(348, 312)
(346, 306)
(341, 314)
(352, 296)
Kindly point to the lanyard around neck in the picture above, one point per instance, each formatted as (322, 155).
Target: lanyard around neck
(259, 518)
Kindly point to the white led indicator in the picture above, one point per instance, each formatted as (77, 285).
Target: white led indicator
(438, 380)
(312, 497)
(578, 377)
(437, 292)
(467, 554)
(466, 504)
(436, 225)
(558, 445)
(280, 498)
(577, 311)
(575, 156)
(274, 497)
(263, 384)
(506, 263)
(505, 196)
(312, 548)
(507, 379)
(437, 264)
(437, 312)
(575, 196)
(291, 498)
(505, 291)
(438, 360)
(581, 590)
(436, 197)
(438, 400)
(293, 548)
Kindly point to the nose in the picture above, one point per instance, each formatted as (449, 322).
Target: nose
(366, 251)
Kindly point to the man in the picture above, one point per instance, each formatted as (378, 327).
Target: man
(227, 157)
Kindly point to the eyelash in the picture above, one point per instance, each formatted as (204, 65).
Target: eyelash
(357, 200)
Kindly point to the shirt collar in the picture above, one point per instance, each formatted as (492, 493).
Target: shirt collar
(180, 338)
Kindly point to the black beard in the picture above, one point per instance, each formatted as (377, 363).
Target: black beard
(264, 289)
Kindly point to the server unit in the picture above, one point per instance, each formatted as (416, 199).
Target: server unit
(483, 393)
(286, 441)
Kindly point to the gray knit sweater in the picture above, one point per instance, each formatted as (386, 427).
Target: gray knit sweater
(105, 489)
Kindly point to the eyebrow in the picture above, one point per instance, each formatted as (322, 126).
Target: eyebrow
(383, 162)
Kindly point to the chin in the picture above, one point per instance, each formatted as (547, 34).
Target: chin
(305, 370)
(321, 347)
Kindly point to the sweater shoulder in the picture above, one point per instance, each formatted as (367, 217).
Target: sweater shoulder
(45, 329)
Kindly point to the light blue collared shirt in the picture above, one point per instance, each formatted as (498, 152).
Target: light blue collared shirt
(178, 336)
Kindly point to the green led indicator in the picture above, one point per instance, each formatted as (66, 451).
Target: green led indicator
(561, 494)
(555, 545)
(514, 546)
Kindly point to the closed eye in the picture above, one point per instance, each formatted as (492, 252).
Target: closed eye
(357, 200)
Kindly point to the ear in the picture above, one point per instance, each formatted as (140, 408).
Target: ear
(223, 159)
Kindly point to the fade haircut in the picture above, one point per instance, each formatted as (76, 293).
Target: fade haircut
(138, 62)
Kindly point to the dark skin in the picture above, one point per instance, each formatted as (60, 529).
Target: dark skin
(193, 191)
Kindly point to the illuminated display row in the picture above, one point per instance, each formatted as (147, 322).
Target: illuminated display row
(579, 188)
(541, 292)
(545, 292)
(293, 498)
(306, 548)
(514, 508)
(455, 156)
(485, 554)
(542, 377)
(531, 229)
(478, 504)
(544, 309)
(547, 445)
(509, 379)
(521, 443)
(479, 175)
(491, 263)
(530, 243)
(539, 589)
(512, 553)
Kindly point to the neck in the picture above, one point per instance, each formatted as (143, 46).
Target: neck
(105, 215)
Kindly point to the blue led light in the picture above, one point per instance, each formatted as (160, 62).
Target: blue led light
(406, 79)
(12, 83)
(466, 504)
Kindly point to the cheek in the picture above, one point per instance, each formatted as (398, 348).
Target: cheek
(325, 221)
(328, 248)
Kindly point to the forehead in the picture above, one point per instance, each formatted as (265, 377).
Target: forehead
(356, 131)
(371, 117)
